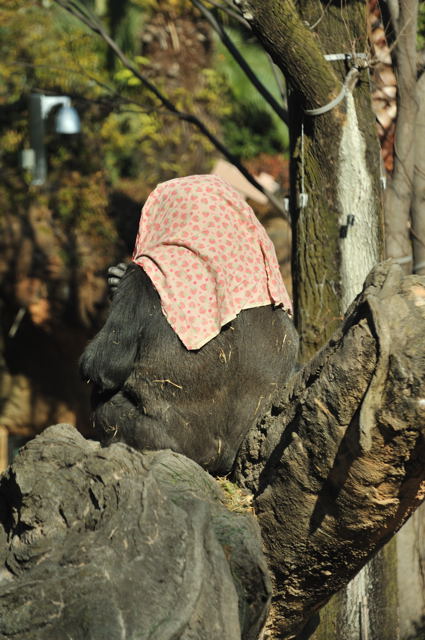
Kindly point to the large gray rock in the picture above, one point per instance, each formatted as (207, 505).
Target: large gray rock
(110, 543)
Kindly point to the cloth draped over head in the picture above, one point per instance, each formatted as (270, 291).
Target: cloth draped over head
(207, 256)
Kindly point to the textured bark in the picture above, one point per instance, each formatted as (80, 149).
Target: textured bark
(109, 543)
(341, 168)
(337, 163)
(336, 467)
(398, 195)
(411, 577)
(418, 203)
(367, 608)
(293, 47)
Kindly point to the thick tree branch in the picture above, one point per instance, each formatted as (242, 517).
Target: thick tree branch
(293, 47)
(90, 21)
(337, 466)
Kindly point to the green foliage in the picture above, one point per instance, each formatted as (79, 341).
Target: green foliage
(44, 49)
(81, 202)
(129, 142)
(251, 131)
(252, 127)
(421, 27)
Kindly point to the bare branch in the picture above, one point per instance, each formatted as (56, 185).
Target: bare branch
(230, 12)
(281, 112)
(92, 23)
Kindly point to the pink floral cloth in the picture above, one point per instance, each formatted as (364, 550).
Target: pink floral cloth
(206, 255)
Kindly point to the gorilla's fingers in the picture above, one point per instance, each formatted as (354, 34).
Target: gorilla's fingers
(115, 273)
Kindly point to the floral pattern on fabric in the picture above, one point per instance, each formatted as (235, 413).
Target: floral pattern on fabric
(207, 256)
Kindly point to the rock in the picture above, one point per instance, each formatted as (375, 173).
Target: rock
(108, 543)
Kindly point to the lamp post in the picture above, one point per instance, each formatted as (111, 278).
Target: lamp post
(67, 122)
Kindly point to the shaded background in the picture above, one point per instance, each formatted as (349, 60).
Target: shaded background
(57, 239)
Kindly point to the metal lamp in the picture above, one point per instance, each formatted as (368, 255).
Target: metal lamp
(67, 122)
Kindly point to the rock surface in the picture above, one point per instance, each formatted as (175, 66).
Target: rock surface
(109, 543)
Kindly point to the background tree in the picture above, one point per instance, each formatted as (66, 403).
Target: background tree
(341, 180)
(404, 198)
(58, 239)
(328, 273)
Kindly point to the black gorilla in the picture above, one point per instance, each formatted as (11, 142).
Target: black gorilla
(152, 393)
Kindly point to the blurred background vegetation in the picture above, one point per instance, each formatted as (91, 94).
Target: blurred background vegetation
(57, 239)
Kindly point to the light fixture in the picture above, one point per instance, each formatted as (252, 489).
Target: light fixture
(67, 122)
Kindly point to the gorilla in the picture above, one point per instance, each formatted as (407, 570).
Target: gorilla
(198, 336)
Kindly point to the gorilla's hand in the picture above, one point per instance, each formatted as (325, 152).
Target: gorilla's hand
(115, 273)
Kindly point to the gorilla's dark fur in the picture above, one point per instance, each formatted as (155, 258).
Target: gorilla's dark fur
(152, 393)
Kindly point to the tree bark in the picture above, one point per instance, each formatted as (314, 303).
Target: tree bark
(418, 203)
(398, 195)
(411, 576)
(336, 467)
(342, 180)
(335, 163)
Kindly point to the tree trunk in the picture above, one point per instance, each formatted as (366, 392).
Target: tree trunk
(368, 607)
(411, 577)
(411, 539)
(328, 466)
(418, 203)
(398, 195)
(338, 233)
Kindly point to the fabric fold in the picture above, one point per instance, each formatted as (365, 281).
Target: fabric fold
(207, 256)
